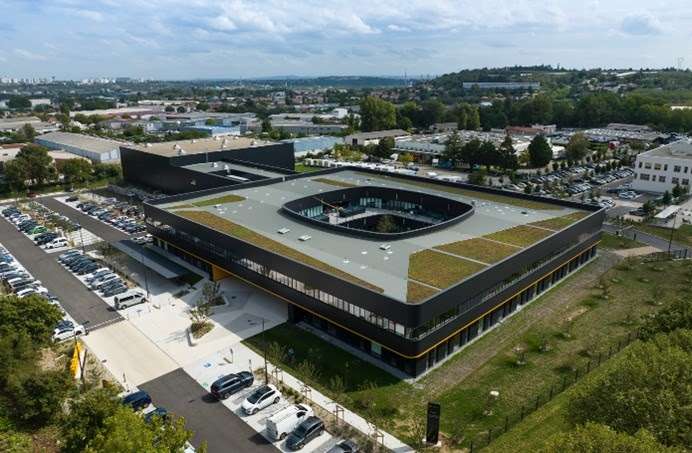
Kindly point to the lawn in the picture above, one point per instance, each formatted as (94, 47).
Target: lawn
(558, 331)
(229, 198)
(480, 249)
(496, 198)
(245, 234)
(302, 168)
(440, 269)
(682, 235)
(521, 236)
(612, 242)
(334, 182)
(415, 292)
(558, 223)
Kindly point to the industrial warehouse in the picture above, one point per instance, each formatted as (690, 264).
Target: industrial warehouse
(405, 269)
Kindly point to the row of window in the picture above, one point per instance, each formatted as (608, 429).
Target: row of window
(382, 322)
(661, 178)
(664, 167)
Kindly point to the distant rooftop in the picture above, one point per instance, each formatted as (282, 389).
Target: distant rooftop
(204, 145)
(682, 149)
(87, 142)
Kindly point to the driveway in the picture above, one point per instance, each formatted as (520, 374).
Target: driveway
(83, 305)
(209, 419)
(100, 229)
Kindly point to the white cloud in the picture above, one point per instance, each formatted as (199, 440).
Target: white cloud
(642, 23)
(394, 27)
(88, 14)
(28, 55)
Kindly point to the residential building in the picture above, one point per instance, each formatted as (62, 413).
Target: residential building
(374, 137)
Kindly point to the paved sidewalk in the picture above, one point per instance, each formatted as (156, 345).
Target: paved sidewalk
(243, 358)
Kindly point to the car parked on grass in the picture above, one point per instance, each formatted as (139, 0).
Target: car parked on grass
(138, 400)
(311, 428)
(262, 397)
(227, 385)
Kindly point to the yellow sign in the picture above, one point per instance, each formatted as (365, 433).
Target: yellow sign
(75, 365)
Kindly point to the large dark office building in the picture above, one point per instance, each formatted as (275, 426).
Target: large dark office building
(193, 165)
(406, 269)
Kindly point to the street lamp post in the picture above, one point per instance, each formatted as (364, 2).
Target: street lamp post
(264, 342)
(81, 238)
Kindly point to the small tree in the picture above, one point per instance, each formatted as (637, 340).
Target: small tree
(667, 198)
(540, 152)
(478, 177)
(677, 191)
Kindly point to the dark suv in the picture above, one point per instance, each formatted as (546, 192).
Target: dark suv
(310, 428)
(225, 386)
(138, 400)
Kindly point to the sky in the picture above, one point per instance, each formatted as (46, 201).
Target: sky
(186, 39)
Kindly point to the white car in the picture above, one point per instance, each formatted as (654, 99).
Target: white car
(68, 330)
(262, 397)
(56, 243)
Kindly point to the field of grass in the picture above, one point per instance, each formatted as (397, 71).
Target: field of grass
(229, 198)
(302, 168)
(479, 249)
(558, 223)
(496, 198)
(556, 338)
(415, 292)
(612, 242)
(682, 235)
(245, 234)
(334, 182)
(439, 269)
(522, 235)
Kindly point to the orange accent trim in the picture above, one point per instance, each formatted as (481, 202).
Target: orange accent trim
(218, 273)
(369, 339)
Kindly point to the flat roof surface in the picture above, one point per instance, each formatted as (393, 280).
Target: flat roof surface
(208, 167)
(87, 142)
(202, 145)
(681, 149)
(259, 210)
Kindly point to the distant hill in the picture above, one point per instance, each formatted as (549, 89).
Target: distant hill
(334, 81)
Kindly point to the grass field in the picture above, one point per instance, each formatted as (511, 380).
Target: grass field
(682, 235)
(440, 269)
(556, 337)
(612, 242)
(416, 292)
(479, 249)
(521, 235)
(245, 234)
(229, 198)
(334, 182)
(301, 168)
(558, 223)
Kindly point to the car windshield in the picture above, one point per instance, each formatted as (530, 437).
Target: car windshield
(300, 431)
(258, 394)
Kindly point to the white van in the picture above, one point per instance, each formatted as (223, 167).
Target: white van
(283, 422)
(129, 298)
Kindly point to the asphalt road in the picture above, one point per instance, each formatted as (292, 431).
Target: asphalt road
(83, 305)
(100, 229)
(646, 238)
(210, 420)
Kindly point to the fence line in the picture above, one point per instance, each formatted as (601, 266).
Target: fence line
(482, 440)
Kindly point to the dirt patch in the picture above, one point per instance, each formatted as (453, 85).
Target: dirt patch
(639, 251)
(576, 313)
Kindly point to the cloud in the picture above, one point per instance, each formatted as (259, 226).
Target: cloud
(28, 55)
(88, 14)
(395, 27)
(643, 23)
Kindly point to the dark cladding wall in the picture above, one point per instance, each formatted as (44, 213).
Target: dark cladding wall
(165, 173)
(468, 297)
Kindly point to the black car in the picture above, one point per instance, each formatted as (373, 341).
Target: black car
(160, 412)
(71, 199)
(88, 269)
(310, 428)
(46, 238)
(225, 386)
(345, 446)
(138, 400)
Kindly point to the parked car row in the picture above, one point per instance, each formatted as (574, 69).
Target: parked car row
(97, 278)
(121, 215)
(53, 218)
(140, 401)
(18, 281)
(38, 233)
(294, 423)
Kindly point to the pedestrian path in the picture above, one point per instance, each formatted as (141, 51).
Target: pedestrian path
(239, 357)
